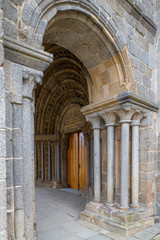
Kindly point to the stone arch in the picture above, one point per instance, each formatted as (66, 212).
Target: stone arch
(112, 72)
(64, 84)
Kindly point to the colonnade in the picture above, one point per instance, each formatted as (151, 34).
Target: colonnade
(126, 118)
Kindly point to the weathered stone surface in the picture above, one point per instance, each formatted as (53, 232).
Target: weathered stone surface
(112, 49)
(10, 11)
(17, 2)
(10, 28)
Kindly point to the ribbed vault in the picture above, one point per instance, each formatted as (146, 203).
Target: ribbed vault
(64, 84)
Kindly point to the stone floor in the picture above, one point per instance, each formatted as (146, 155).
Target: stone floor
(57, 218)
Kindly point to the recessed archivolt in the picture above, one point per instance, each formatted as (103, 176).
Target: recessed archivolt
(64, 84)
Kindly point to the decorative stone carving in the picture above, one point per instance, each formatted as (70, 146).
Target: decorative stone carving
(95, 120)
(109, 117)
(29, 82)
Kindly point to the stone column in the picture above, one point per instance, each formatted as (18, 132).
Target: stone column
(42, 161)
(91, 159)
(135, 157)
(135, 162)
(29, 80)
(124, 163)
(96, 124)
(109, 119)
(49, 160)
(64, 147)
(57, 161)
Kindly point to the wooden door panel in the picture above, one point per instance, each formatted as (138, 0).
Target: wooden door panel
(76, 162)
(82, 163)
(73, 161)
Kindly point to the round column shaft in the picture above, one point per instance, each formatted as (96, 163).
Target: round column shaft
(110, 163)
(135, 163)
(124, 164)
(97, 191)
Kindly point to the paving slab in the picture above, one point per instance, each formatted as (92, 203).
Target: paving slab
(98, 237)
(144, 235)
(57, 218)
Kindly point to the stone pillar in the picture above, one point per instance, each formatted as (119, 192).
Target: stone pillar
(109, 119)
(96, 124)
(137, 117)
(64, 147)
(18, 171)
(29, 80)
(135, 162)
(42, 161)
(57, 161)
(49, 160)
(3, 161)
(124, 163)
(91, 160)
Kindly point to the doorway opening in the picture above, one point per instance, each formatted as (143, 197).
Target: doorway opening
(62, 145)
(77, 162)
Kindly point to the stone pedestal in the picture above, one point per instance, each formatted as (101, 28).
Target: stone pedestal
(120, 224)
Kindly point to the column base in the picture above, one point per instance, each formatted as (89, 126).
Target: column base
(117, 222)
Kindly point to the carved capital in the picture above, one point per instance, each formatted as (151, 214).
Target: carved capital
(95, 120)
(30, 79)
(87, 131)
(108, 117)
(126, 113)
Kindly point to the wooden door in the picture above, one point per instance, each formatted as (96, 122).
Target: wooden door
(76, 162)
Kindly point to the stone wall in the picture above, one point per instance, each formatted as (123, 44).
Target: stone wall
(131, 57)
(3, 139)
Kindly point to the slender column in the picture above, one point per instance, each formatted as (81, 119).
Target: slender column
(91, 161)
(57, 159)
(64, 147)
(97, 186)
(135, 162)
(124, 163)
(27, 143)
(49, 161)
(87, 143)
(110, 162)
(88, 162)
(95, 120)
(42, 161)
(110, 118)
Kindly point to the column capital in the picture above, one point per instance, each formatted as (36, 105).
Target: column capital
(129, 113)
(30, 79)
(125, 113)
(108, 117)
(95, 120)
(87, 131)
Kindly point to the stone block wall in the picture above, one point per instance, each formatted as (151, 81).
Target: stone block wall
(3, 139)
(139, 44)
